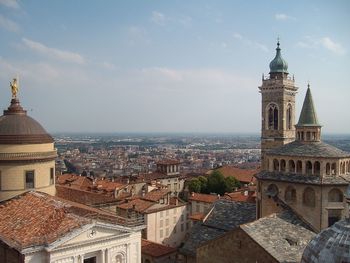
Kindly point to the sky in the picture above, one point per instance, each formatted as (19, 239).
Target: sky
(171, 66)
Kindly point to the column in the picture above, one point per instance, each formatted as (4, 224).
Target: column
(81, 258)
(103, 255)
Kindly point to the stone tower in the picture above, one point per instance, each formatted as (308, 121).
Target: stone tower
(278, 106)
(27, 154)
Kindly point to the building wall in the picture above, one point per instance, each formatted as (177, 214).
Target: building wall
(12, 178)
(168, 227)
(21, 148)
(200, 207)
(234, 247)
(316, 215)
(174, 184)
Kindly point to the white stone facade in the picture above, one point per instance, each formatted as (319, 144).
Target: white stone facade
(99, 242)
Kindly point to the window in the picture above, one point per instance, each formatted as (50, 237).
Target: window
(91, 260)
(290, 194)
(182, 217)
(335, 195)
(276, 165)
(167, 232)
(289, 117)
(317, 168)
(272, 117)
(161, 223)
(52, 176)
(309, 197)
(29, 179)
(182, 227)
(161, 233)
(283, 165)
(334, 215)
(161, 214)
(175, 229)
(308, 168)
(175, 220)
(291, 166)
(167, 222)
(167, 212)
(299, 166)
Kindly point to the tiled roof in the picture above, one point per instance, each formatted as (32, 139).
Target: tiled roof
(242, 175)
(155, 250)
(242, 196)
(137, 205)
(304, 179)
(331, 245)
(225, 216)
(280, 235)
(197, 216)
(35, 219)
(309, 149)
(156, 195)
(205, 198)
(308, 116)
(229, 214)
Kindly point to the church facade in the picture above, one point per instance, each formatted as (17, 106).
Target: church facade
(299, 171)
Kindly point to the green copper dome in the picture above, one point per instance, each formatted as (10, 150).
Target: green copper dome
(308, 116)
(278, 64)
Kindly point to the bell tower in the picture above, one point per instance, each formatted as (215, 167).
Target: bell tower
(278, 92)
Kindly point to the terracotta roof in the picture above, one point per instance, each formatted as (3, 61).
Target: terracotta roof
(137, 205)
(154, 249)
(197, 217)
(242, 196)
(206, 198)
(242, 175)
(156, 195)
(36, 218)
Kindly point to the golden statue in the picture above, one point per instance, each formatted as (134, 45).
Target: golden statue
(14, 88)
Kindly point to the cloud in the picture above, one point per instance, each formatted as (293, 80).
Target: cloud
(10, 3)
(331, 45)
(162, 19)
(8, 24)
(250, 43)
(324, 42)
(158, 18)
(61, 55)
(283, 17)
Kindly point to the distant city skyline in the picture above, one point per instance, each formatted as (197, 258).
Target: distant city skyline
(169, 67)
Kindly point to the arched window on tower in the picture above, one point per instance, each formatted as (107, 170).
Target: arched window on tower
(335, 195)
(290, 195)
(272, 116)
(289, 117)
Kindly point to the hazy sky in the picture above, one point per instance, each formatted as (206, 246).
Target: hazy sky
(170, 66)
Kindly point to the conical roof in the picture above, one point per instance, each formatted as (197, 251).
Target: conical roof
(278, 64)
(308, 116)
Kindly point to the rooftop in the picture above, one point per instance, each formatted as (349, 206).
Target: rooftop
(281, 235)
(310, 149)
(304, 179)
(242, 175)
(35, 219)
(205, 198)
(225, 216)
(155, 250)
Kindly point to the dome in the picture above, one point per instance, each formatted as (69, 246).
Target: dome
(18, 128)
(278, 64)
(332, 245)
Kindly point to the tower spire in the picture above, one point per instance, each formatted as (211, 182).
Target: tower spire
(308, 116)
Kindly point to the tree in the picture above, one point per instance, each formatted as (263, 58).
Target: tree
(216, 183)
(194, 186)
(231, 184)
(204, 184)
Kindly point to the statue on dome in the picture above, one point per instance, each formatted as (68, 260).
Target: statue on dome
(14, 88)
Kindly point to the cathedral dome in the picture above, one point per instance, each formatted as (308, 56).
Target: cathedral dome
(16, 127)
(278, 64)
